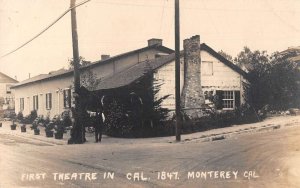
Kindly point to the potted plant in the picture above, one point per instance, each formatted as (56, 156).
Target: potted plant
(49, 129)
(13, 126)
(20, 117)
(34, 125)
(66, 121)
(23, 128)
(36, 131)
(59, 131)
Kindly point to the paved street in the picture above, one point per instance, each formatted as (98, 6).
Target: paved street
(267, 158)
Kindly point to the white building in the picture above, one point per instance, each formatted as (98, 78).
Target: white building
(51, 94)
(214, 76)
(204, 73)
(6, 94)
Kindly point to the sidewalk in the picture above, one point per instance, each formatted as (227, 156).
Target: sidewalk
(29, 134)
(269, 124)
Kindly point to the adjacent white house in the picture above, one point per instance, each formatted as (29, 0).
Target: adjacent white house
(51, 94)
(6, 94)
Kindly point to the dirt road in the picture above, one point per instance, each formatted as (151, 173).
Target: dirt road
(260, 159)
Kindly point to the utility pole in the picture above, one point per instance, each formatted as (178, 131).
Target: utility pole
(177, 72)
(77, 134)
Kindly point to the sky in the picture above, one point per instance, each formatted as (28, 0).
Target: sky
(117, 26)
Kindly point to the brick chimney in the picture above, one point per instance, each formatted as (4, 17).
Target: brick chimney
(154, 41)
(105, 56)
(192, 94)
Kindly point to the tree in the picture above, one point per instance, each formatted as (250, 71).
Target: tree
(154, 115)
(88, 78)
(250, 59)
(82, 62)
(284, 76)
(137, 112)
(273, 80)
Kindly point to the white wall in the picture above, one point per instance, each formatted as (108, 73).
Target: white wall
(223, 78)
(166, 75)
(4, 95)
(55, 86)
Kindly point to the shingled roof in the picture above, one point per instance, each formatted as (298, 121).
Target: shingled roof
(134, 73)
(64, 72)
(6, 79)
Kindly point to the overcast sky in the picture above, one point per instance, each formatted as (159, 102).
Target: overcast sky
(117, 26)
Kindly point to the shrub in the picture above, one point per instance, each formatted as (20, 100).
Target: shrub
(47, 120)
(218, 119)
(49, 126)
(66, 120)
(31, 117)
(20, 116)
(116, 122)
(9, 114)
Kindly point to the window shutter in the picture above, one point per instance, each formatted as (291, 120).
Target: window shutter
(50, 100)
(65, 98)
(219, 99)
(69, 98)
(46, 101)
(237, 98)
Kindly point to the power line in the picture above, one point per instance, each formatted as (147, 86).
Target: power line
(36, 36)
(194, 7)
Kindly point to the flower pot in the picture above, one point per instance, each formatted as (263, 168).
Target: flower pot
(59, 135)
(23, 129)
(13, 127)
(36, 131)
(49, 133)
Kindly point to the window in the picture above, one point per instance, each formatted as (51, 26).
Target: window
(35, 102)
(21, 104)
(67, 98)
(8, 91)
(227, 100)
(207, 68)
(48, 101)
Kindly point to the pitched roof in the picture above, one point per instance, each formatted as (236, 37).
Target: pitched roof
(223, 59)
(294, 52)
(291, 49)
(128, 76)
(43, 77)
(6, 79)
(63, 72)
(134, 73)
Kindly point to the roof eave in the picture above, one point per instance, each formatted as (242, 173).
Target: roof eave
(160, 47)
